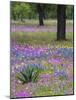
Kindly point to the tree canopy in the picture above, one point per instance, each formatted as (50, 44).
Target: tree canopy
(22, 10)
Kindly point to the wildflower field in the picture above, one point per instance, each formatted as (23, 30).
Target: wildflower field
(40, 65)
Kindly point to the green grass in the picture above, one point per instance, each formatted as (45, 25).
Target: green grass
(49, 22)
(43, 91)
(41, 38)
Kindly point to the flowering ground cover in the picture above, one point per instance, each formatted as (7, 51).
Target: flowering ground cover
(56, 76)
(40, 65)
(23, 28)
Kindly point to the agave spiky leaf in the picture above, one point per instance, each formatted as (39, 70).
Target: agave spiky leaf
(30, 74)
(21, 78)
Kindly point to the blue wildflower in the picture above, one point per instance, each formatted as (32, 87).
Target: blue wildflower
(60, 74)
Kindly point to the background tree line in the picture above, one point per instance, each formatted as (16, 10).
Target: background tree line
(21, 11)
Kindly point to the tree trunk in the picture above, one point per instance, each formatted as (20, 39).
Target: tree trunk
(40, 12)
(43, 8)
(61, 22)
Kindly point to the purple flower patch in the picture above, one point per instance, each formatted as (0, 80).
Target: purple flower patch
(22, 94)
(55, 61)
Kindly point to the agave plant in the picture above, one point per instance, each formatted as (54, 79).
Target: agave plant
(30, 74)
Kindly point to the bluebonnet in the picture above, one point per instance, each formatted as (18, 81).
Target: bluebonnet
(28, 52)
(59, 74)
(65, 52)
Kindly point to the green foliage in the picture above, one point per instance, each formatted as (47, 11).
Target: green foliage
(30, 74)
(69, 12)
(22, 10)
(51, 11)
